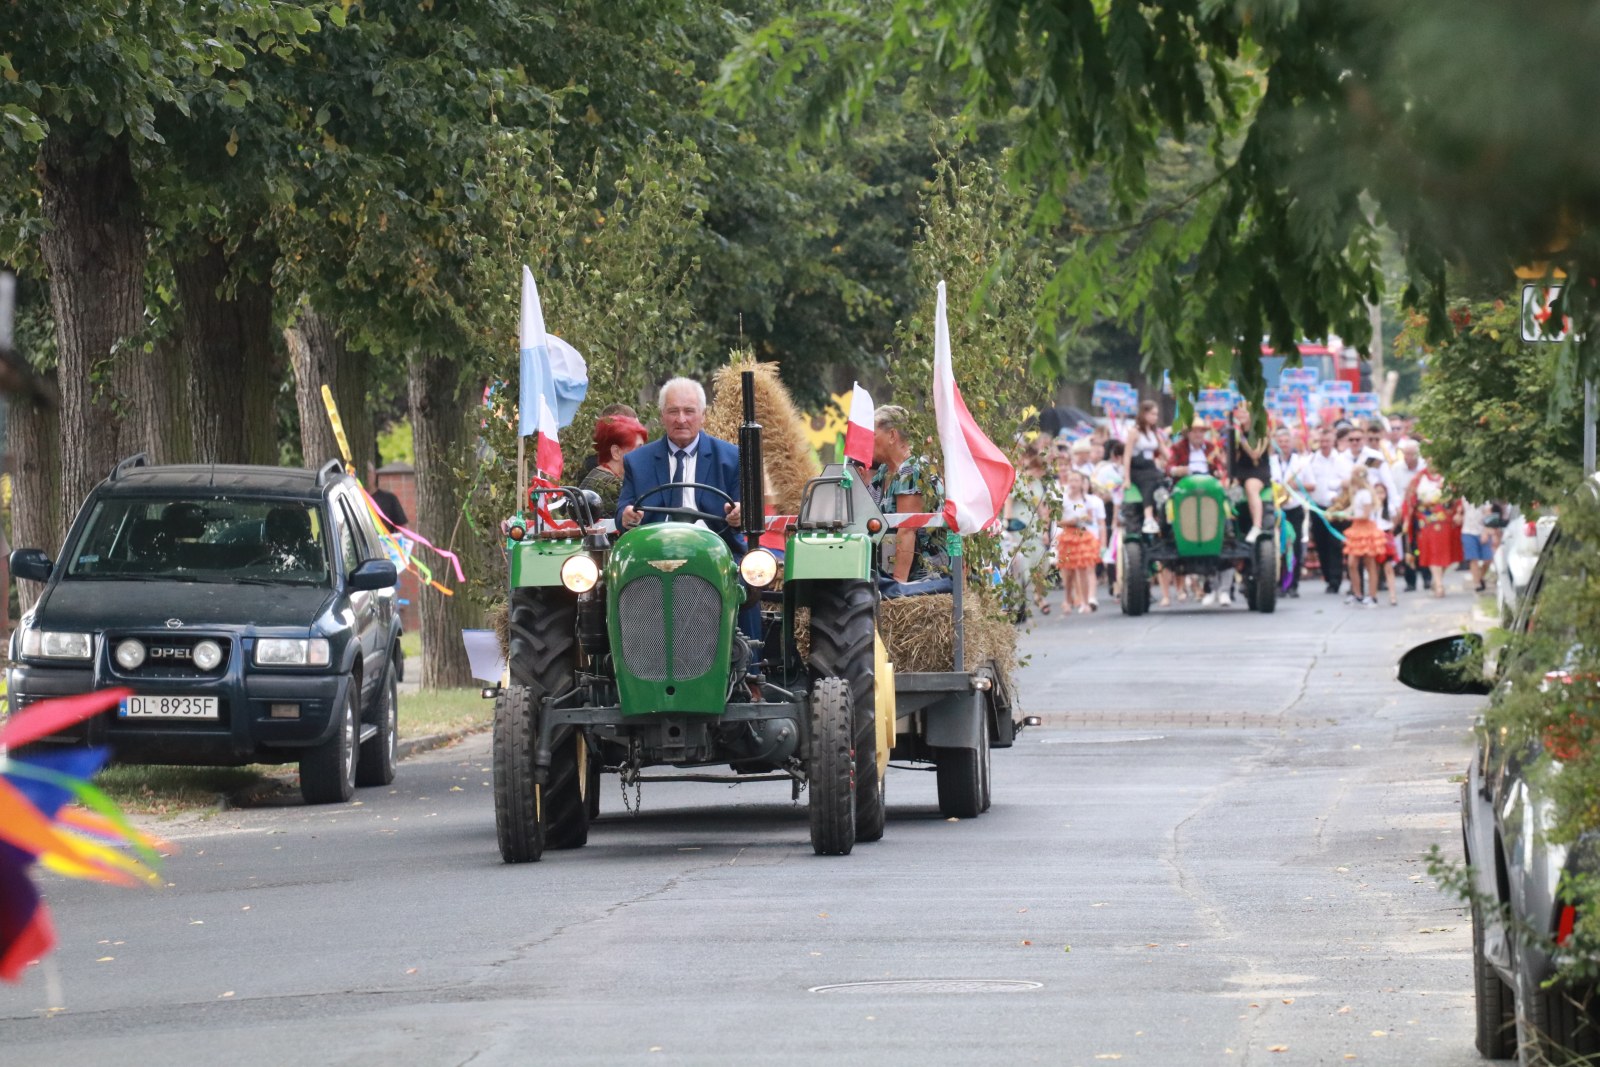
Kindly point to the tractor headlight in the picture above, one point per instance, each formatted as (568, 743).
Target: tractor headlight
(759, 568)
(579, 573)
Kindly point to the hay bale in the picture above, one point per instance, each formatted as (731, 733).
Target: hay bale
(498, 616)
(918, 635)
(787, 459)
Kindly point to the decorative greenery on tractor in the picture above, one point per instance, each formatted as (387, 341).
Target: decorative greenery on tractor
(627, 656)
(1202, 532)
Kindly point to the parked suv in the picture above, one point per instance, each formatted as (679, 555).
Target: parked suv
(250, 610)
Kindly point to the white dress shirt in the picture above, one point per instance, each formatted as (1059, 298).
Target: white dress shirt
(689, 466)
(1328, 473)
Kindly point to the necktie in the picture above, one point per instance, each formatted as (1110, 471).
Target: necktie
(677, 476)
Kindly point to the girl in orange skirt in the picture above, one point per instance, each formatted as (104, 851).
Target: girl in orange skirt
(1078, 544)
(1364, 543)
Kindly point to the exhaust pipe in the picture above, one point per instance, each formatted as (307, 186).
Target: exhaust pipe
(752, 488)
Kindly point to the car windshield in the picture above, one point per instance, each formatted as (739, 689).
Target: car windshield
(202, 539)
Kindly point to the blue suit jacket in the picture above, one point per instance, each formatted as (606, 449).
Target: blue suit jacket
(716, 464)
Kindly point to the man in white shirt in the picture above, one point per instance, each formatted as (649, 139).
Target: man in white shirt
(1288, 467)
(1325, 474)
(1402, 474)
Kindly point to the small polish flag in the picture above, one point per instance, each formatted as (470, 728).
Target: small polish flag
(977, 475)
(547, 453)
(858, 435)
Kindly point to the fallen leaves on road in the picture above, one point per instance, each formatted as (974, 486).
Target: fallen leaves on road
(225, 996)
(1277, 1048)
(105, 959)
(1108, 1055)
(1288, 1000)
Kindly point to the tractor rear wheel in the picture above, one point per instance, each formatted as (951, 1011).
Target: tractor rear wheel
(963, 778)
(1264, 567)
(832, 771)
(843, 625)
(1135, 579)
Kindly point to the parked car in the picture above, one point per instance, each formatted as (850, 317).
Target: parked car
(250, 610)
(1515, 871)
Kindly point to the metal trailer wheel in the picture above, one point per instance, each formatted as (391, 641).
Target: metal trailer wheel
(962, 776)
(832, 770)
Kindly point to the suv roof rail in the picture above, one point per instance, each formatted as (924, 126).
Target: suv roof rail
(138, 459)
(331, 469)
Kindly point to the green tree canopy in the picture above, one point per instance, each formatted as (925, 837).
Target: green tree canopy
(1324, 120)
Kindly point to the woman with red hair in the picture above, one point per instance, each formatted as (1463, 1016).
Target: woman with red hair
(614, 437)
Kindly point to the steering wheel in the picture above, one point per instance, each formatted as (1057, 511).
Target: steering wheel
(679, 512)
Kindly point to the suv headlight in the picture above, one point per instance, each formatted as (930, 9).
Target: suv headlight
(758, 568)
(54, 644)
(292, 652)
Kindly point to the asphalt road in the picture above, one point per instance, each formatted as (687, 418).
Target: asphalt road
(1212, 853)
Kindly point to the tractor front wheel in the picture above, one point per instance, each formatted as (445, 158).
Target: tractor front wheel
(1135, 578)
(832, 772)
(843, 626)
(1264, 566)
(517, 820)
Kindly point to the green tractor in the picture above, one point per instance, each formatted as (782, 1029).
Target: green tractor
(1202, 532)
(626, 656)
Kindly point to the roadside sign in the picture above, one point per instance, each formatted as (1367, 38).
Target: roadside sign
(1540, 304)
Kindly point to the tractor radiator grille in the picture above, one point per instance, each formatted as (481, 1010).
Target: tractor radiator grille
(1198, 518)
(696, 625)
(644, 633)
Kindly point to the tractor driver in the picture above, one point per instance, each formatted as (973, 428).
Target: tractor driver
(686, 454)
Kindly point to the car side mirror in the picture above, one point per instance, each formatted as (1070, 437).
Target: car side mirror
(1451, 665)
(374, 574)
(32, 564)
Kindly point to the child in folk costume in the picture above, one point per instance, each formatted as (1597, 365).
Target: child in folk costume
(1386, 515)
(1078, 544)
(1364, 542)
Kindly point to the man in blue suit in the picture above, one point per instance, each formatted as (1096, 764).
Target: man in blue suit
(686, 454)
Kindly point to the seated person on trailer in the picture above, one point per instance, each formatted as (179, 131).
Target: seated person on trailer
(902, 485)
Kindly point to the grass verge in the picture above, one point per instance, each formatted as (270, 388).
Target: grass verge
(437, 711)
(163, 790)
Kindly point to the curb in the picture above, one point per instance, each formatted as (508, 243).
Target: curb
(273, 791)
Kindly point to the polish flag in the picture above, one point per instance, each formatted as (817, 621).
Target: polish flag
(858, 435)
(537, 396)
(977, 475)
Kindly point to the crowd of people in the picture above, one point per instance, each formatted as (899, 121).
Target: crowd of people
(1358, 503)
(1362, 508)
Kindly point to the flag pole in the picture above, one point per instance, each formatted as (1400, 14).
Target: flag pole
(522, 470)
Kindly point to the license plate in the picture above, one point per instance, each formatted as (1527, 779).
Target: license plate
(154, 707)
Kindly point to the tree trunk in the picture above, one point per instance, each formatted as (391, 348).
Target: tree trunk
(263, 371)
(33, 439)
(211, 341)
(440, 400)
(154, 420)
(95, 251)
(319, 357)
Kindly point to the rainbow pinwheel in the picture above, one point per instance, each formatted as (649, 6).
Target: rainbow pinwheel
(39, 823)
